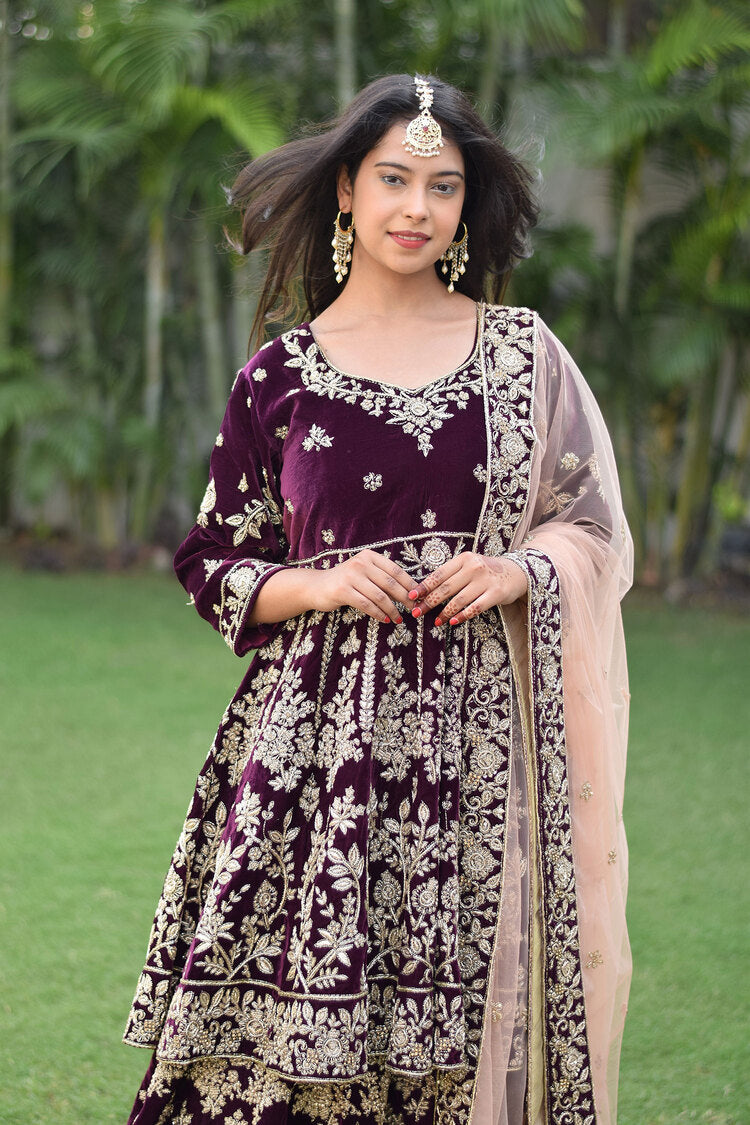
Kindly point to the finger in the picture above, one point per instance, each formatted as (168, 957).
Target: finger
(472, 594)
(448, 589)
(387, 610)
(473, 609)
(431, 581)
(397, 583)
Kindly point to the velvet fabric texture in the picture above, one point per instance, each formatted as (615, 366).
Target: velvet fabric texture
(399, 892)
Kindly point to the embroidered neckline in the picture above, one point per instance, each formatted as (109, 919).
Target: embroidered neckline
(398, 387)
(418, 411)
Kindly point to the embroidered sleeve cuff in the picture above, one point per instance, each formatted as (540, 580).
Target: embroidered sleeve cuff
(240, 587)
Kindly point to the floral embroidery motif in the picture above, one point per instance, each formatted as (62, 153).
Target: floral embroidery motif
(480, 472)
(569, 461)
(248, 522)
(219, 439)
(594, 959)
(612, 856)
(418, 412)
(429, 555)
(317, 439)
(210, 566)
(554, 497)
(328, 537)
(289, 505)
(587, 791)
(428, 518)
(208, 503)
(243, 485)
(372, 481)
(281, 432)
(259, 374)
(596, 472)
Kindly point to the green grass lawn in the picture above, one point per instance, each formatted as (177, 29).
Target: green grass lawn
(111, 692)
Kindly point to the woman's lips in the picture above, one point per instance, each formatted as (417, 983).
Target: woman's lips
(412, 240)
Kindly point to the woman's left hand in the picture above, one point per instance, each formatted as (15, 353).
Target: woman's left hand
(469, 584)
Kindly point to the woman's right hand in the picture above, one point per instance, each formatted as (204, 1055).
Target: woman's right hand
(368, 581)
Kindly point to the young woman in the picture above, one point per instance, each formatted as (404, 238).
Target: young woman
(399, 893)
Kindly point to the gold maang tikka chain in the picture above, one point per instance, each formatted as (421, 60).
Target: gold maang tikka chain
(424, 137)
(456, 256)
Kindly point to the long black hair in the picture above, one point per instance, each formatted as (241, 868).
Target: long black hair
(289, 202)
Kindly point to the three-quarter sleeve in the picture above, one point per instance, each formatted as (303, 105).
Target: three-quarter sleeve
(238, 539)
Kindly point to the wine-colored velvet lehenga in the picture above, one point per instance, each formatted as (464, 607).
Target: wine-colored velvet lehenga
(399, 893)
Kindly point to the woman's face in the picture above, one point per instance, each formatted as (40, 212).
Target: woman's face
(406, 208)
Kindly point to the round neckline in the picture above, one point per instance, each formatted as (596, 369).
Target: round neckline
(399, 386)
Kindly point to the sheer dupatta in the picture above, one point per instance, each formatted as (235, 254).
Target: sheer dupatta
(569, 662)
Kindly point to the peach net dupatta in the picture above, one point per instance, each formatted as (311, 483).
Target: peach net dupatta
(574, 518)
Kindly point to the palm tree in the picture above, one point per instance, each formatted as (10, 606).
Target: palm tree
(133, 97)
(674, 320)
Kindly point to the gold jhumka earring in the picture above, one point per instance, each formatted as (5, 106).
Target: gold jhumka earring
(342, 247)
(424, 137)
(457, 255)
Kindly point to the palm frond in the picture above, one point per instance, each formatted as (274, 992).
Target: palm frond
(682, 346)
(697, 35)
(164, 44)
(703, 242)
(544, 22)
(27, 399)
(607, 113)
(246, 113)
(733, 295)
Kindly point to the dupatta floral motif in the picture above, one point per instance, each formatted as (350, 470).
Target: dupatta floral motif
(331, 932)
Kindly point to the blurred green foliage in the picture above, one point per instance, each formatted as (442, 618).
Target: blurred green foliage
(123, 315)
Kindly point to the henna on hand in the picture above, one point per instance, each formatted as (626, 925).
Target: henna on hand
(469, 584)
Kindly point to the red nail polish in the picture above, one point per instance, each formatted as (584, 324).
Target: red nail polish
(416, 612)
(387, 620)
(438, 621)
(454, 621)
(413, 594)
(399, 620)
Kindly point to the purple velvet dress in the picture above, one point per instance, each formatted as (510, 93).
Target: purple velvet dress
(323, 946)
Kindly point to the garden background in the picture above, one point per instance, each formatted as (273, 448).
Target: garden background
(123, 318)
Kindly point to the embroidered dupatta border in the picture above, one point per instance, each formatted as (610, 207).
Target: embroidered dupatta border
(509, 372)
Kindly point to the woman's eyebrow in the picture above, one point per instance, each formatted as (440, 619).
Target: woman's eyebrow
(403, 168)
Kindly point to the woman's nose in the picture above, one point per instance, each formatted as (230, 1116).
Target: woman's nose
(416, 205)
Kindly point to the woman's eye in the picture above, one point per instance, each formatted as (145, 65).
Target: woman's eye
(391, 179)
(445, 189)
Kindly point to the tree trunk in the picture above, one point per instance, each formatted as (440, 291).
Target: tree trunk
(703, 547)
(9, 440)
(212, 325)
(491, 67)
(156, 299)
(627, 228)
(153, 383)
(346, 51)
(695, 474)
(660, 446)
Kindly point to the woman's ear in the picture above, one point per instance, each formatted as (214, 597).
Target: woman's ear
(344, 189)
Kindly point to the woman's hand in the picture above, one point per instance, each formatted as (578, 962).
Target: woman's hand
(469, 584)
(368, 582)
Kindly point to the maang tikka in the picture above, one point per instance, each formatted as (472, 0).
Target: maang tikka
(342, 247)
(424, 137)
(457, 255)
